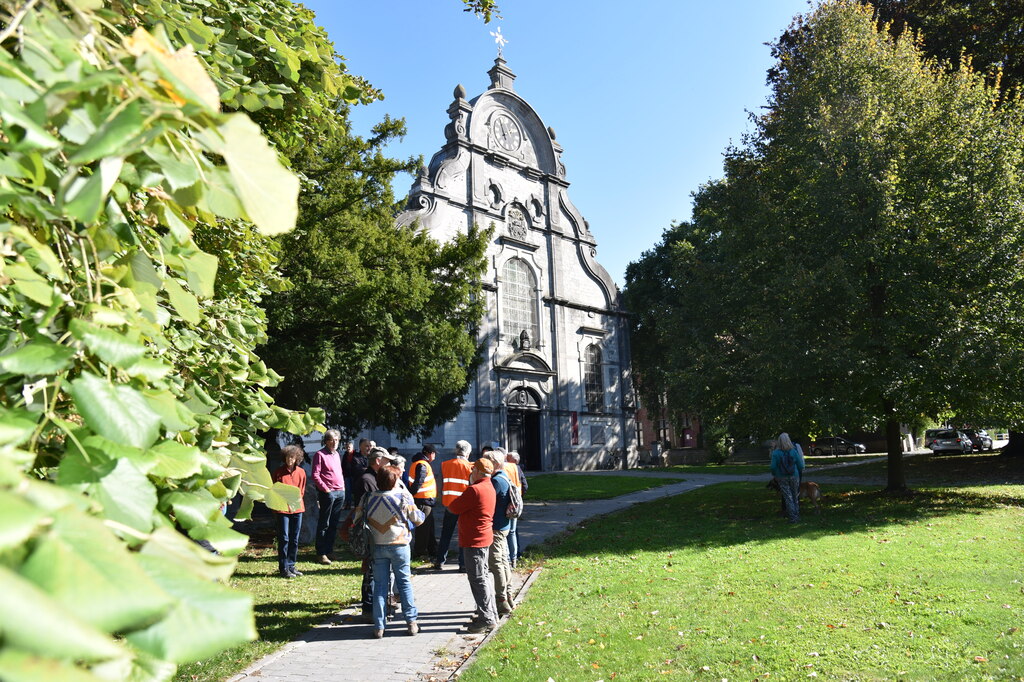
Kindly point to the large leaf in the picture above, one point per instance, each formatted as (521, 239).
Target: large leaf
(19, 520)
(32, 621)
(20, 667)
(26, 132)
(183, 302)
(206, 619)
(283, 497)
(30, 283)
(168, 546)
(111, 137)
(86, 194)
(119, 413)
(127, 496)
(174, 414)
(191, 509)
(112, 347)
(201, 272)
(222, 536)
(82, 565)
(267, 190)
(38, 356)
(40, 256)
(175, 460)
(16, 426)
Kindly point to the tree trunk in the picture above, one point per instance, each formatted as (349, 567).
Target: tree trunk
(1015, 448)
(897, 483)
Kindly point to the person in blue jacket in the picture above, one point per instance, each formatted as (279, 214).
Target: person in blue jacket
(787, 469)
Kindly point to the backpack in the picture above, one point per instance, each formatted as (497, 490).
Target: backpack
(514, 510)
(787, 463)
(360, 539)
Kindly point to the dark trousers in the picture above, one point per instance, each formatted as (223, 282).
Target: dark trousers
(424, 539)
(449, 529)
(366, 596)
(288, 526)
(327, 523)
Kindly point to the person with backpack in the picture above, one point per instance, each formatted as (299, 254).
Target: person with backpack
(498, 559)
(787, 468)
(391, 513)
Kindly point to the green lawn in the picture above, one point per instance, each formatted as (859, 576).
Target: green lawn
(945, 469)
(564, 487)
(714, 585)
(284, 608)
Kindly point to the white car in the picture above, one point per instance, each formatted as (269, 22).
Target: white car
(950, 440)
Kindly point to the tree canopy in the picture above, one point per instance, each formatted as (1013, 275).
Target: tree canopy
(858, 266)
(989, 32)
(378, 324)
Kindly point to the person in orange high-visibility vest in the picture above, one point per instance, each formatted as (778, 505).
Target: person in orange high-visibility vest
(454, 481)
(423, 487)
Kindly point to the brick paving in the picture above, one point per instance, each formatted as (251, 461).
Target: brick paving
(341, 649)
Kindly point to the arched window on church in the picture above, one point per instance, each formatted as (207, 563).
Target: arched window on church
(593, 381)
(518, 301)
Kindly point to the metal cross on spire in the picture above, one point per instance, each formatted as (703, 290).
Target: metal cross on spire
(500, 40)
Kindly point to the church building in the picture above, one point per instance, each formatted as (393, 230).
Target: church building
(555, 382)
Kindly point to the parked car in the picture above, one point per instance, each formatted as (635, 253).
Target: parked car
(836, 445)
(980, 440)
(950, 440)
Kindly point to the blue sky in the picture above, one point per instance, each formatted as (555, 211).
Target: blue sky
(644, 96)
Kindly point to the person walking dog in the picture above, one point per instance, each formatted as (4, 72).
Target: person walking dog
(787, 468)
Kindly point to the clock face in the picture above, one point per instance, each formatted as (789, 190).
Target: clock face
(506, 133)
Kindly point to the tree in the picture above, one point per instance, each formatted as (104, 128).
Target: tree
(832, 259)
(989, 32)
(378, 326)
(134, 213)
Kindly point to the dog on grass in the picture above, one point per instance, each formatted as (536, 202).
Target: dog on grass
(808, 489)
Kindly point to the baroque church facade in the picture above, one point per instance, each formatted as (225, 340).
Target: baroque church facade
(555, 380)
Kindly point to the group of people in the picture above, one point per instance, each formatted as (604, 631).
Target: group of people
(397, 505)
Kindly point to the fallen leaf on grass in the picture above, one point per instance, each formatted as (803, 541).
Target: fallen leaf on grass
(980, 659)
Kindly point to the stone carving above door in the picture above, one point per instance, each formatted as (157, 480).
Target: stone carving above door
(515, 224)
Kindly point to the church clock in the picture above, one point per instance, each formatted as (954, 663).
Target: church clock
(506, 133)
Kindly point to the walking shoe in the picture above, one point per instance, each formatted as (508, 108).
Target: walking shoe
(286, 574)
(413, 627)
(481, 626)
(324, 559)
(436, 566)
(296, 574)
(504, 608)
(377, 634)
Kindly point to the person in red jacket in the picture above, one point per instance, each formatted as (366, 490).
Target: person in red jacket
(475, 508)
(289, 522)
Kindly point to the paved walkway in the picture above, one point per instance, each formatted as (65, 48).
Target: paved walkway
(341, 649)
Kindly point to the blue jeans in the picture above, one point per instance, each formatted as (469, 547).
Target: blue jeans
(288, 526)
(513, 541)
(388, 558)
(449, 528)
(327, 523)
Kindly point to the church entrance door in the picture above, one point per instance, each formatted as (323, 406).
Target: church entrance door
(524, 437)
(524, 428)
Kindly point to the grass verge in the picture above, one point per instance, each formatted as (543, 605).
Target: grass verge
(713, 585)
(934, 469)
(565, 487)
(284, 608)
